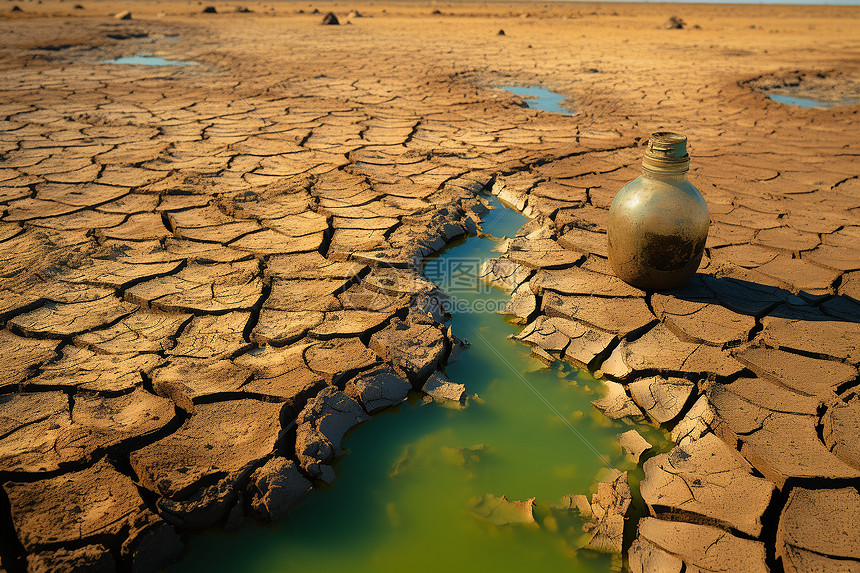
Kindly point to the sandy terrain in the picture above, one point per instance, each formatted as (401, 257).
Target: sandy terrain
(186, 249)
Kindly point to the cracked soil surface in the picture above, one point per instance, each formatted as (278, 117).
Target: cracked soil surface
(209, 273)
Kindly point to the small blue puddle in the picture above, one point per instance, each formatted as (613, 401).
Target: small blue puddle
(148, 60)
(807, 102)
(539, 98)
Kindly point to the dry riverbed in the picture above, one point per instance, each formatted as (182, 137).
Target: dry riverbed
(210, 272)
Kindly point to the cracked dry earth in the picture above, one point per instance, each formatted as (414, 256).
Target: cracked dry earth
(209, 272)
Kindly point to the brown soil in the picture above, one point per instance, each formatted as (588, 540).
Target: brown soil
(184, 249)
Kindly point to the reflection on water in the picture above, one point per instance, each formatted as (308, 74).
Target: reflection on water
(539, 98)
(148, 60)
(405, 489)
(808, 102)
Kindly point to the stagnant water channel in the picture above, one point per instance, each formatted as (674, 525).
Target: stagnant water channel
(407, 486)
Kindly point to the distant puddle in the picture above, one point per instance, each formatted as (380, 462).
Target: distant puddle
(404, 492)
(808, 102)
(539, 98)
(148, 60)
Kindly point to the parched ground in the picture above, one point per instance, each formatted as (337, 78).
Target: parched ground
(208, 272)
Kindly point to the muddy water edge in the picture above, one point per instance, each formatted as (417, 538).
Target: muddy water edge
(407, 489)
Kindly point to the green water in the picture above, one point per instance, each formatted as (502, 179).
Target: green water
(404, 493)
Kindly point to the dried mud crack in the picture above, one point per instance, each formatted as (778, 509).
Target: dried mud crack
(184, 250)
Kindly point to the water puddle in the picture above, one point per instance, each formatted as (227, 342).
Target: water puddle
(148, 60)
(539, 98)
(808, 102)
(405, 491)
(808, 89)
